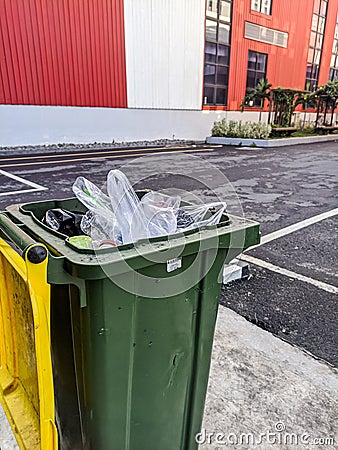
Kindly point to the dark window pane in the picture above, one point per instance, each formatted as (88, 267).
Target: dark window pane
(251, 79)
(308, 71)
(223, 55)
(313, 85)
(315, 70)
(210, 30)
(223, 33)
(220, 96)
(209, 74)
(256, 69)
(210, 52)
(222, 75)
(208, 95)
(252, 60)
(261, 62)
(259, 76)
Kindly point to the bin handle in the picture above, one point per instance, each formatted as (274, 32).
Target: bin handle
(36, 253)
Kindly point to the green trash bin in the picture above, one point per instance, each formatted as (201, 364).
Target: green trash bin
(132, 331)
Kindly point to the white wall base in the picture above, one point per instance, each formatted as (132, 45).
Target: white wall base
(43, 125)
(37, 125)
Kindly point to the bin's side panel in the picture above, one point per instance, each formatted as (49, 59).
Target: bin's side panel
(18, 370)
(143, 362)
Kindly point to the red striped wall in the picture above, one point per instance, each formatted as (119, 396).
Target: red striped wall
(62, 52)
(286, 67)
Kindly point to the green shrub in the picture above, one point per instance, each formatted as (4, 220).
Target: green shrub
(234, 129)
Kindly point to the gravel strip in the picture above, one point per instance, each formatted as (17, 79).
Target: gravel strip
(69, 147)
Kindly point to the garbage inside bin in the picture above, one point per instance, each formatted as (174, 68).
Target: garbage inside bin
(65, 222)
(123, 218)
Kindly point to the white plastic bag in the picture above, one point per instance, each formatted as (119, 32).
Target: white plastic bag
(126, 206)
(100, 221)
(194, 216)
(160, 211)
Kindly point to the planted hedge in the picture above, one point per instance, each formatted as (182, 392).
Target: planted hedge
(239, 129)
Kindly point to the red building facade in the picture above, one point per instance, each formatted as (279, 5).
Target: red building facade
(75, 53)
(285, 67)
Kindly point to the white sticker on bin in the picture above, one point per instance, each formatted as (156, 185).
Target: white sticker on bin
(173, 264)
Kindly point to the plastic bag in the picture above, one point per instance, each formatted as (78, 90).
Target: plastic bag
(194, 216)
(122, 217)
(161, 213)
(100, 221)
(126, 206)
(154, 215)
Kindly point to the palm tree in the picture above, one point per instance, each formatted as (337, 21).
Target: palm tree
(307, 100)
(258, 95)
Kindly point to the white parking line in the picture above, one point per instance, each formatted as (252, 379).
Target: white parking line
(297, 226)
(319, 284)
(35, 187)
(284, 232)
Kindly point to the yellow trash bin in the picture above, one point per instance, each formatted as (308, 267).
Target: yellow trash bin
(26, 378)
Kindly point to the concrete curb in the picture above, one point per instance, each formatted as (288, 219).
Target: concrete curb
(270, 143)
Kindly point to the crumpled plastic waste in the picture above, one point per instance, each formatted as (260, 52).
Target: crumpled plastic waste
(122, 218)
(195, 216)
(100, 221)
(63, 221)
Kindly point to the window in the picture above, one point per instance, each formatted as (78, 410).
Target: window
(262, 6)
(257, 63)
(316, 44)
(217, 52)
(263, 34)
(334, 58)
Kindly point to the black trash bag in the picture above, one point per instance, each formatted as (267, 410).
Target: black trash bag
(63, 221)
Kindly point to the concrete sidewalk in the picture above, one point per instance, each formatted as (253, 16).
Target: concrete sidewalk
(260, 384)
(263, 393)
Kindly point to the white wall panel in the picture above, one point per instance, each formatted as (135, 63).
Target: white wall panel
(164, 53)
(37, 125)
